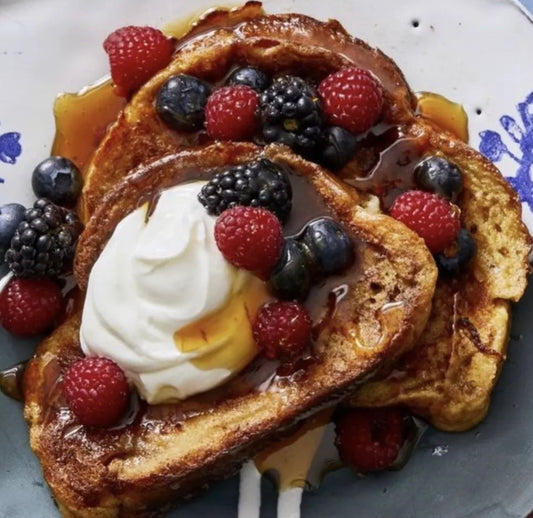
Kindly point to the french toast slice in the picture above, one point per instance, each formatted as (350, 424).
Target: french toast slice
(450, 382)
(285, 43)
(170, 451)
(449, 376)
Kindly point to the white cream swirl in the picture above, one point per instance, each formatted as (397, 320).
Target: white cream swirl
(154, 277)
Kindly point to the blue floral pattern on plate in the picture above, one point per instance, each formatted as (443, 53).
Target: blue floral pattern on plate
(494, 148)
(10, 148)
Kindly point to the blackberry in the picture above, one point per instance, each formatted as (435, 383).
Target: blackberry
(44, 242)
(257, 184)
(291, 113)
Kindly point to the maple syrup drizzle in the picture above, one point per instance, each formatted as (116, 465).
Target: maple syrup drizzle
(11, 381)
(386, 157)
(384, 164)
(232, 323)
(335, 296)
(444, 113)
(290, 459)
(387, 319)
(82, 120)
(180, 27)
(206, 20)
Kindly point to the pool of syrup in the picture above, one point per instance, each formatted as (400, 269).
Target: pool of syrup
(386, 157)
(443, 113)
(11, 381)
(82, 120)
(384, 164)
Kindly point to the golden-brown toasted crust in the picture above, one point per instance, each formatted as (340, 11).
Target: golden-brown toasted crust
(448, 378)
(130, 471)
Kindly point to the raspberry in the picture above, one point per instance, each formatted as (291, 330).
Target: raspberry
(135, 55)
(370, 439)
(96, 391)
(30, 306)
(230, 113)
(352, 99)
(430, 216)
(249, 238)
(282, 329)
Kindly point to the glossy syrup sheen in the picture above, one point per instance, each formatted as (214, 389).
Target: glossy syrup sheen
(387, 319)
(384, 164)
(82, 120)
(205, 20)
(386, 157)
(228, 331)
(290, 459)
(443, 112)
(11, 381)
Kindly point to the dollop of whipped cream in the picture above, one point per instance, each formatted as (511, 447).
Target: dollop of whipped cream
(157, 275)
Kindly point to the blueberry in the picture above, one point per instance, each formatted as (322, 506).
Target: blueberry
(249, 76)
(466, 249)
(57, 179)
(339, 147)
(291, 277)
(329, 245)
(11, 215)
(181, 101)
(438, 175)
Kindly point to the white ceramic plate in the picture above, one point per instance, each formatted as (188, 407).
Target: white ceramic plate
(476, 52)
